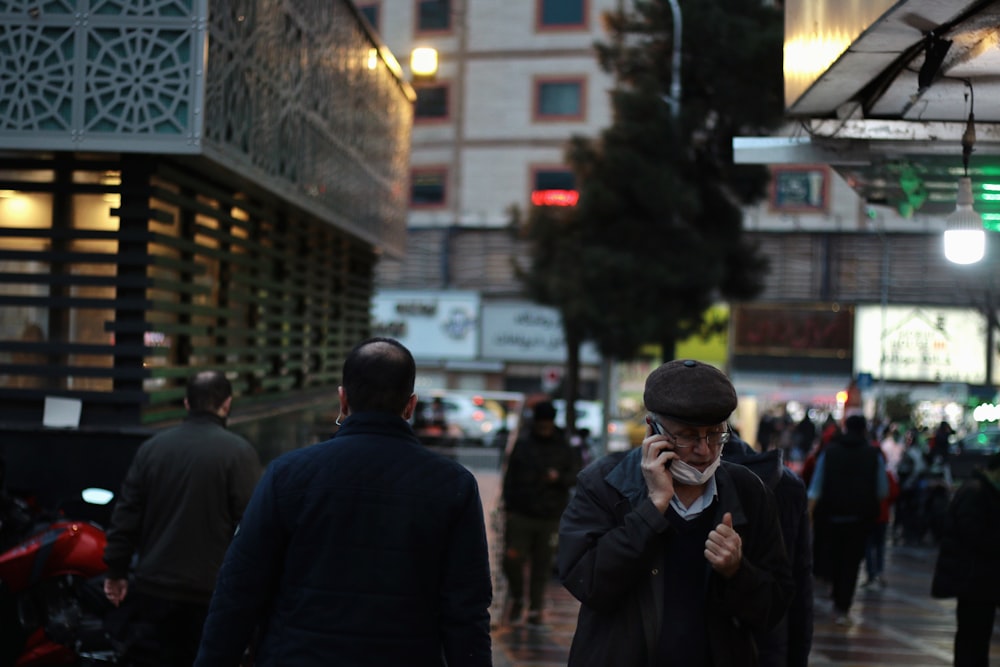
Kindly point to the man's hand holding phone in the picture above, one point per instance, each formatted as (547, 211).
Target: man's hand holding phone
(656, 458)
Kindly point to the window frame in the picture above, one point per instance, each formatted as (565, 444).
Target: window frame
(535, 169)
(429, 169)
(377, 4)
(539, 81)
(433, 120)
(541, 26)
(423, 32)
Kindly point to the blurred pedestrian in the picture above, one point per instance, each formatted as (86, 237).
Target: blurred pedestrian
(844, 496)
(875, 547)
(892, 448)
(179, 505)
(967, 564)
(940, 444)
(803, 438)
(366, 549)
(675, 555)
(540, 473)
(789, 643)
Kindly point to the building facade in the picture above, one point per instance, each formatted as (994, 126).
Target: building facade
(483, 142)
(187, 185)
(516, 80)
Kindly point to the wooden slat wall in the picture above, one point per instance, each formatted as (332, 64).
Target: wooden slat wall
(274, 296)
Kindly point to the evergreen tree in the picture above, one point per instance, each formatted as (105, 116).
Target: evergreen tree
(656, 237)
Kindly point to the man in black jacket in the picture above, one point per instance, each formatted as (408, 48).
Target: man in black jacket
(541, 470)
(676, 556)
(788, 644)
(845, 492)
(179, 505)
(366, 549)
(966, 566)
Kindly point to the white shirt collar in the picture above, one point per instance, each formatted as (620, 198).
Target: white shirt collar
(700, 503)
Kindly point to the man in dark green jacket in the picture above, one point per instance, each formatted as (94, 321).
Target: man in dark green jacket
(540, 473)
(676, 556)
(179, 505)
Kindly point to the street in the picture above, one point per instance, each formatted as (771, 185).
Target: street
(900, 624)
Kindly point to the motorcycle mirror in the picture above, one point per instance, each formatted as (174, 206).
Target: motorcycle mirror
(97, 496)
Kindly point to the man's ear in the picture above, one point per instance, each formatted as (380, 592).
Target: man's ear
(411, 405)
(224, 409)
(345, 409)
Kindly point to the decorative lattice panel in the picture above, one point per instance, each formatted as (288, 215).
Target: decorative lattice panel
(297, 92)
(102, 75)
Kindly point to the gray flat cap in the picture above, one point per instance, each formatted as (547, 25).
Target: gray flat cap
(690, 392)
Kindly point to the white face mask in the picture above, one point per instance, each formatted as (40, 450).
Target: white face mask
(688, 474)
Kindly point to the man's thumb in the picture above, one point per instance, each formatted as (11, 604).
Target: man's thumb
(727, 519)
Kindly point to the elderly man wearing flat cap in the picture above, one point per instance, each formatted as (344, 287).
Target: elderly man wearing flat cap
(676, 556)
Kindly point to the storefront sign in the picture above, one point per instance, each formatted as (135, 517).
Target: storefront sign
(432, 324)
(523, 331)
(920, 344)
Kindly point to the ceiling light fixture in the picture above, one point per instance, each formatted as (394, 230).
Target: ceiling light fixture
(964, 238)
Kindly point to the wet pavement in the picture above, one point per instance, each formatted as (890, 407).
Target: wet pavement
(900, 624)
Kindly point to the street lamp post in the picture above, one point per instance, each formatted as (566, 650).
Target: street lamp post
(674, 98)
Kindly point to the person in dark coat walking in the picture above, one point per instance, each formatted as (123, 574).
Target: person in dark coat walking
(179, 504)
(675, 555)
(366, 549)
(845, 494)
(789, 643)
(968, 563)
(540, 473)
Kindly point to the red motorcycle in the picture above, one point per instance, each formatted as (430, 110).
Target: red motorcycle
(52, 602)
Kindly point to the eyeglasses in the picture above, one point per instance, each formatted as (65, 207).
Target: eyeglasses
(688, 440)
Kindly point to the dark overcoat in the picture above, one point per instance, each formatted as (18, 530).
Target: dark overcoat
(367, 549)
(612, 541)
(968, 563)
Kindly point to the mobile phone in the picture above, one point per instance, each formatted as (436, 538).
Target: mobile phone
(657, 430)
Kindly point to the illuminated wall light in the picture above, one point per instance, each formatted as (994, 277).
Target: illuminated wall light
(372, 58)
(423, 61)
(991, 187)
(390, 61)
(990, 197)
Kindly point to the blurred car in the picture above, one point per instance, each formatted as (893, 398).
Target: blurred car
(972, 450)
(464, 418)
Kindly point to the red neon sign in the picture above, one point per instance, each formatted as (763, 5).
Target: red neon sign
(555, 197)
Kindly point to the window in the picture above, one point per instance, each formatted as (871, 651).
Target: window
(559, 99)
(555, 186)
(427, 187)
(562, 14)
(554, 179)
(433, 15)
(432, 103)
(371, 12)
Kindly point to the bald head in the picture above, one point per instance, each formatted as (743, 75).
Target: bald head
(207, 391)
(379, 374)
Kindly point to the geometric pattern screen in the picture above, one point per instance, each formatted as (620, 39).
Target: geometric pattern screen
(102, 75)
(295, 96)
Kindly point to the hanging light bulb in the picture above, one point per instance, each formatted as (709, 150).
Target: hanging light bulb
(964, 238)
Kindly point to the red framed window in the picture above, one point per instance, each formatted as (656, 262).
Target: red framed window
(373, 12)
(560, 98)
(433, 103)
(433, 16)
(428, 187)
(553, 186)
(561, 15)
